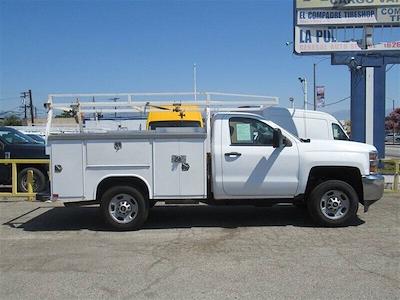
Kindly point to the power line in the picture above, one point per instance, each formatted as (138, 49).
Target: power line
(338, 101)
(348, 97)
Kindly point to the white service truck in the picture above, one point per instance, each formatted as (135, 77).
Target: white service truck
(240, 159)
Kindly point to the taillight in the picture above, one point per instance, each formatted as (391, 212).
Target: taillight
(373, 162)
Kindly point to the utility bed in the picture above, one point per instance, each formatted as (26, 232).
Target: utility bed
(171, 160)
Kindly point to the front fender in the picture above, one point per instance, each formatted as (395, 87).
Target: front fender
(314, 159)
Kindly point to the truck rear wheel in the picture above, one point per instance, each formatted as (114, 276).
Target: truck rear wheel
(124, 208)
(333, 203)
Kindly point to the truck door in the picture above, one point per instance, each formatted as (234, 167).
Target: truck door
(251, 167)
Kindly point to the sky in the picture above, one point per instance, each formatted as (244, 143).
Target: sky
(98, 46)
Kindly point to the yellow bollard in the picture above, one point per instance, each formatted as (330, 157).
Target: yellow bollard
(29, 184)
(14, 179)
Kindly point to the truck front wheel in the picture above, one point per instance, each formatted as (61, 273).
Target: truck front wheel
(124, 208)
(333, 203)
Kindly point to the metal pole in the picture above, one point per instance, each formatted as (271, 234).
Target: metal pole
(315, 89)
(115, 108)
(195, 81)
(393, 123)
(305, 94)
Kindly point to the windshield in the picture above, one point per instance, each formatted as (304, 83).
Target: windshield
(12, 136)
(160, 124)
(338, 133)
(37, 138)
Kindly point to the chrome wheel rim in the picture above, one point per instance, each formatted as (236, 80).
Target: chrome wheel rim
(123, 208)
(334, 204)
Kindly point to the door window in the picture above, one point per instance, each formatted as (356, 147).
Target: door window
(247, 131)
(338, 133)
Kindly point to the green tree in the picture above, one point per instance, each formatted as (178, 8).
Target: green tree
(66, 114)
(12, 120)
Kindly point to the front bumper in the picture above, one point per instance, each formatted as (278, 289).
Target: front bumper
(373, 186)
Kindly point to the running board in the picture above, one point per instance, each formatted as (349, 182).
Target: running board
(183, 201)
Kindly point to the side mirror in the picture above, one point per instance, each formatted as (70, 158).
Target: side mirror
(277, 139)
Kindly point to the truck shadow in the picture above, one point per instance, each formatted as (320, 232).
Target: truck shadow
(168, 217)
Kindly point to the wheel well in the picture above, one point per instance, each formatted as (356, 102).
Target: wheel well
(350, 175)
(135, 182)
(41, 167)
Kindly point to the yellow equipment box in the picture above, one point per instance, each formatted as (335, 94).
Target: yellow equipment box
(175, 115)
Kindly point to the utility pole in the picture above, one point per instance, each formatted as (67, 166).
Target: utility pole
(31, 107)
(24, 95)
(24, 103)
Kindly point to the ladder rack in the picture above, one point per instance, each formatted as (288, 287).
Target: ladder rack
(100, 103)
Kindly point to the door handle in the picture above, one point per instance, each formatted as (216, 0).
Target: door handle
(233, 154)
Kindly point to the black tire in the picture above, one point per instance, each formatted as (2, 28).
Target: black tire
(335, 190)
(39, 180)
(130, 194)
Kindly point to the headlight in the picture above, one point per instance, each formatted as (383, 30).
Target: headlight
(373, 162)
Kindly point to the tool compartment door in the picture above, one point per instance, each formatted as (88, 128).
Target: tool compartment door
(179, 168)
(67, 169)
(193, 175)
(166, 173)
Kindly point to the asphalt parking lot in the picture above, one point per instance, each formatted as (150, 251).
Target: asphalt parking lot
(198, 252)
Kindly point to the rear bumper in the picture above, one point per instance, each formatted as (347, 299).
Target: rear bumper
(373, 186)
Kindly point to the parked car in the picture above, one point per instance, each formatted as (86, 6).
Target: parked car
(15, 144)
(389, 138)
